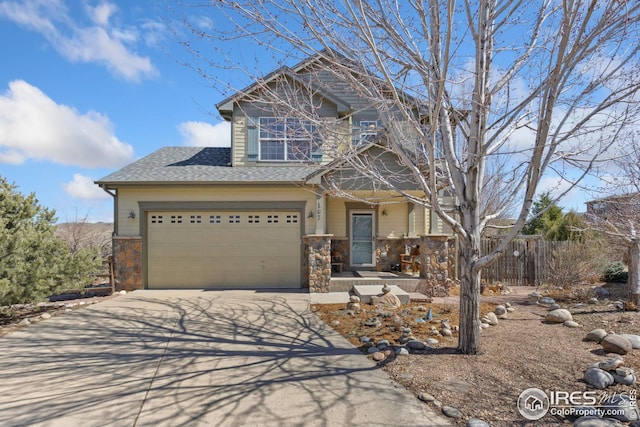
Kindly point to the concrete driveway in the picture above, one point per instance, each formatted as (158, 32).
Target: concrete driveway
(196, 358)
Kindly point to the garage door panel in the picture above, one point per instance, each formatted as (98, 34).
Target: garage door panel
(231, 249)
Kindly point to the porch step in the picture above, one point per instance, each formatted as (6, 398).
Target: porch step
(365, 292)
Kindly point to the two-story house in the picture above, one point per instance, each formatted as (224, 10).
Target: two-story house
(267, 211)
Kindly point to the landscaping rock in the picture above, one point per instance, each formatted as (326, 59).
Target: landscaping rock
(383, 344)
(451, 412)
(571, 324)
(554, 307)
(401, 351)
(387, 300)
(372, 350)
(598, 378)
(373, 323)
(475, 422)
(592, 301)
(611, 364)
(432, 341)
(354, 304)
(624, 376)
(379, 356)
(596, 422)
(547, 301)
(559, 315)
(416, 345)
(45, 316)
(500, 309)
(397, 323)
(633, 339)
(491, 319)
(616, 344)
(426, 397)
(601, 292)
(446, 333)
(596, 335)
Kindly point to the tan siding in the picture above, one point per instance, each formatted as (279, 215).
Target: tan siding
(336, 217)
(128, 199)
(395, 223)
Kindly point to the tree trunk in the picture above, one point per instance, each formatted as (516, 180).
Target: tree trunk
(633, 282)
(469, 338)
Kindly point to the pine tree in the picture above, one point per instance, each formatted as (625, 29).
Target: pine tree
(34, 262)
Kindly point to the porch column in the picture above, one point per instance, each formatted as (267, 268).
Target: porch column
(317, 262)
(434, 264)
(320, 212)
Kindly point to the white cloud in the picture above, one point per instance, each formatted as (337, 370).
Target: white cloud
(100, 42)
(33, 126)
(201, 134)
(83, 187)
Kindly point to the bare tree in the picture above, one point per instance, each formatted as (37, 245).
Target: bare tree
(618, 215)
(460, 86)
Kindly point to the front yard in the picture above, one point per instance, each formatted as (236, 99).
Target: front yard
(521, 352)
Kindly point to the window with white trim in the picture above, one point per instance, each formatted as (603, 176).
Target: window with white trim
(287, 139)
(368, 131)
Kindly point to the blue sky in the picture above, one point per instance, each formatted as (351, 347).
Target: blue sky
(88, 87)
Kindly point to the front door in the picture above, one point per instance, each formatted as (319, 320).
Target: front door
(362, 239)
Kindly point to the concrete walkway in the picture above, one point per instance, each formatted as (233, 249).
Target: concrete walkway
(196, 358)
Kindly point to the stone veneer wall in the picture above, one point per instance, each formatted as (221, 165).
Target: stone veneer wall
(437, 254)
(388, 250)
(340, 251)
(317, 262)
(127, 263)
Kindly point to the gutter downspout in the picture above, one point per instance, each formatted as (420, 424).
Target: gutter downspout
(115, 207)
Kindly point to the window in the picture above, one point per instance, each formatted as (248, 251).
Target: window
(287, 139)
(367, 131)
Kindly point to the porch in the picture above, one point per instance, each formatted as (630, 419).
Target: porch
(430, 275)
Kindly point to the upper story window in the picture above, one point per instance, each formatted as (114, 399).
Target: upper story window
(366, 132)
(287, 139)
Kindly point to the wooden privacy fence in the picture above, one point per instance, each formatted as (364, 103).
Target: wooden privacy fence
(525, 262)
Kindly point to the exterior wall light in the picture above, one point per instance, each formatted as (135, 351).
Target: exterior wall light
(310, 215)
(132, 214)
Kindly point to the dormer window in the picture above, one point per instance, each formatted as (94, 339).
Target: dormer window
(287, 139)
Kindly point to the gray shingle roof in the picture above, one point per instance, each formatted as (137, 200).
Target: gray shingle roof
(201, 165)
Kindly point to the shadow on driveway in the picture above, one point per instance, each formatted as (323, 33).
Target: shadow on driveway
(172, 358)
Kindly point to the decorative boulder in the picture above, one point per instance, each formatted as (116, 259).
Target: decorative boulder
(596, 335)
(500, 309)
(598, 378)
(559, 315)
(624, 376)
(633, 339)
(571, 324)
(491, 319)
(616, 344)
(611, 364)
(387, 300)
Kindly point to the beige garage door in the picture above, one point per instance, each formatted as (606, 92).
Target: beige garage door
(223, 249)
